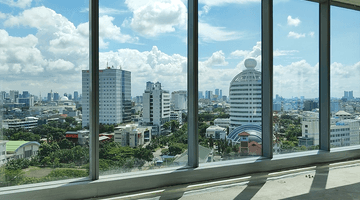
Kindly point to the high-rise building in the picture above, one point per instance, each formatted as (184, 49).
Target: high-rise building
(56, 96)
(217, 92)
(200, 95)
(69, 96)
(156, 107)
(14, 95)
(245, 96)
(208, 94)
(220, 95)
(25, 94)
(76, 95)
(179, 100)
(50, 97)
(114, 96)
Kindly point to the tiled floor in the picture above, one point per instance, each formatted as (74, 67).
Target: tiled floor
(329, 181)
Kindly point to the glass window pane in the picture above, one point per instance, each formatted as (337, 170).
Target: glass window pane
(345, 73)
(143, 97)
(296, 76)
(229, 80)
(43, 48)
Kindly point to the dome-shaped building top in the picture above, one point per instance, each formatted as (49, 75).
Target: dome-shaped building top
(64, 98)
(245, 96)
(254, 132)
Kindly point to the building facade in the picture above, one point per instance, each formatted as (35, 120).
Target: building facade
(114, 96)
(156, 106)
(245, 96)
(179, 100)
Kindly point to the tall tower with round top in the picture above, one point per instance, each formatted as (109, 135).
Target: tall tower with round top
(245, 96)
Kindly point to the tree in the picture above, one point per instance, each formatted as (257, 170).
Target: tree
(143, 154)
(175, 148)
(66, 144)
(26, 136)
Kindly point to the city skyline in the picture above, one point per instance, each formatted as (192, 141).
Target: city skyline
(135, 37)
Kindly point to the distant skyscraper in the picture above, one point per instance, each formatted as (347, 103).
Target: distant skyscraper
(220, 95)
(351, 95)
(156, 106)
(179, 100)
(245, 96)
(65, 95)
(50, 97)
(217, 92)
(200, 95)
(56, 96)
(76, 95)
(14, 95)
(25, 94)
(114, 96)
(208, 94)
(69, 96)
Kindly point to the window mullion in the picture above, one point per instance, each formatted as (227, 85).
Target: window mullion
(94, 88)
(267, 76)
(324, 75)
(192, 84)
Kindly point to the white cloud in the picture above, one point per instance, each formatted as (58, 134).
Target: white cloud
(154, 17)
(311, 34)
(153, 65)
(216, 59)
(205, 10)
(278, 52)
(210, 33)
(222, 2)
(239, 53)
(293, 21)
(296, 79)
(296, 35)
(2, 15)
(18, 3)
(60, 65)
(107, 11)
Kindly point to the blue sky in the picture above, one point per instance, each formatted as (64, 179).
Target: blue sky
(44, 44)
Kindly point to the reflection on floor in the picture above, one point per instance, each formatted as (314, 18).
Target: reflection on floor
(326, 181)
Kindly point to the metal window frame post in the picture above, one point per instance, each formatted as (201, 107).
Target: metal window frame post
(267, 76)
(192, 84)
(324, 75)
(94, 88)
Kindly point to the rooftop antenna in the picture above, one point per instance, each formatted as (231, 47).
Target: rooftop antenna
(120, 66)
(107, 64)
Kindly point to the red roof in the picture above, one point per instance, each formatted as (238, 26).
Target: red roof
(244, 134)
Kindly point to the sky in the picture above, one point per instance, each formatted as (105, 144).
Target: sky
(44, 44)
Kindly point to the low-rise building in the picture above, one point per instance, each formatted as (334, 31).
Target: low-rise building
(216, 132)
(21, 149)
(132, 135)
(26, 124)
(3, 152)
(176, 115)
(222, 122)
(78, 137)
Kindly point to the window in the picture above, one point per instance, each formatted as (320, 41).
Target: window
(207, 171)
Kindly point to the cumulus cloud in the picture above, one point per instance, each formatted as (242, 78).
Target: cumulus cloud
(222, 2)
(209, 33)
(216, 59)
(151, 18)
(18, 3)
(240, 53)
(205, 10)
(107, 11)
(278, 52)
(296, 35)
(311, 34)
(293, 21)
(2, 15)
(296, 79)
(153, 65)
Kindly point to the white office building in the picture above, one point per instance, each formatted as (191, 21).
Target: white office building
(245, 96)
(179, 100)
(156, 106)
(114, 96)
